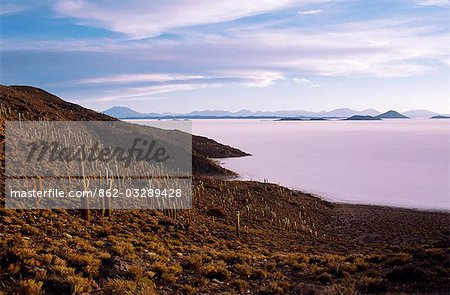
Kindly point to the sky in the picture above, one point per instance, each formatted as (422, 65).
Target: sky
(184, 55)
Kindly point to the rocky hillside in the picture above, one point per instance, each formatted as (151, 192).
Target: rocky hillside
(30, 103)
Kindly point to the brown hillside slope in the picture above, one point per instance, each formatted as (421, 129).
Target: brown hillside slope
(33, 104)
(289, 242)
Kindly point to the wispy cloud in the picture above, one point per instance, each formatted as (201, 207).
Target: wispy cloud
(136, 78)
(379, 48)
(252, 78)
(141, 19)
(304, 81)
(310, 11)
(11, 9)
(165, 83)
(440, 3)
(149, 92)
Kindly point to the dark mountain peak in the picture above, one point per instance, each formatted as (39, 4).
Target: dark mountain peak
(391, 114)
(440, 117)
(362, 118)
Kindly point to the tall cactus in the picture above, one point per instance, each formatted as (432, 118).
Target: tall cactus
(109, 181)
(84, 200)
(238, 224)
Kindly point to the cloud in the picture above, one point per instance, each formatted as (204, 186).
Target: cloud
(252, 78)
(377, 48)
(439, 3)
(142, 18)
(310, 11)
(381, 48)
(11, 9)
(304, 81)
(148, 92)
(158, 83)
(135, 78)
(379, 43)
(242, 54)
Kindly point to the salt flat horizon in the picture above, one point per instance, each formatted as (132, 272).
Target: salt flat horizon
(399, 163)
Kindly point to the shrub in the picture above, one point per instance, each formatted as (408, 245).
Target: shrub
(372, 285)
(216, 271)
(437, 254)
(80, 285)
(346, 288)
(103, 231)
(30, 287)
(375, 259)
(216, 212)
(13, 268)
(167, 273)
(62, 270)
(360, 264)
(399, 259)
(123, 248)
(24, 253)
(68, 285)
(406, 273)
(188, 289)
(46, 259)
(243, 269)
(58, 261)
(299, 266)
(119, 287)
(233, 257)
(273, 288)
(324, 278)
(136, 271)
(239, 285)
(259, 274)
(194, 261)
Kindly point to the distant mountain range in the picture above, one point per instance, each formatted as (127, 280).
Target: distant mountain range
(127, 113)
(419, 113)
(388, 115)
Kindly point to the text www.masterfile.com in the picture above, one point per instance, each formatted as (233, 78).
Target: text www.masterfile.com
(102, 193)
